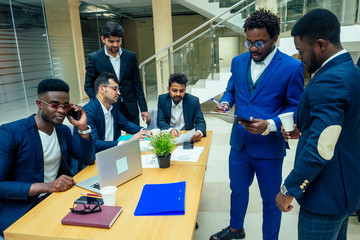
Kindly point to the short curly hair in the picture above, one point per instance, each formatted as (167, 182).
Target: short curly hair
(52, 84)
(263, 19)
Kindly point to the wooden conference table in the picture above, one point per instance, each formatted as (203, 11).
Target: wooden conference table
(44, 220)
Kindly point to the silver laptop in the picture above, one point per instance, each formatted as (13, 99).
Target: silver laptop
(116, 166)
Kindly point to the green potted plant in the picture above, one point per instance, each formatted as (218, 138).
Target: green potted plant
(162, 145)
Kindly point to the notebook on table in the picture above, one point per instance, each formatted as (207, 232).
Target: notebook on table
(116, 166)
(103, 219)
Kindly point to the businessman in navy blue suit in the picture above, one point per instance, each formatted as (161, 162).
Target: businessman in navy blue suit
(114, 59)
(325, 178)
(36, 152)
(178, 110)
(264, 83)
(104, 117)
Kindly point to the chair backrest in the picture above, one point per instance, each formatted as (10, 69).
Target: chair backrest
(153, 122)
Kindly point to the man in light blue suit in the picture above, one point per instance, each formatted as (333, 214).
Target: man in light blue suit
(36, 152)
(325, 178)
(104, 117)
(264, 83)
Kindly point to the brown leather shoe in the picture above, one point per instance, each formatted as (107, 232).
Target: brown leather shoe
(227, 234)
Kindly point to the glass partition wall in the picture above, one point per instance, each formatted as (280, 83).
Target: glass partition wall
(29, 54)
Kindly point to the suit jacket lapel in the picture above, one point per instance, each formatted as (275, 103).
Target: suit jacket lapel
(243, 69)
(168, 105)
(100, 115)
(269, 71)
(36, 143)
(122, 62)
(115, 117)
(186, 111)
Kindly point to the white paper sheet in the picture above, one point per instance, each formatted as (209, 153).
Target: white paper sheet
(186, 155)
(149, 161)
(145, 146)
(185, 137)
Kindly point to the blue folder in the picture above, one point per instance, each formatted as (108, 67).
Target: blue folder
(162, 200)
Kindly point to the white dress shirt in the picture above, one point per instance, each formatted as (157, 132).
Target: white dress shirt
(109, 123)
(177, 116)
(115, 62)
(257, 68)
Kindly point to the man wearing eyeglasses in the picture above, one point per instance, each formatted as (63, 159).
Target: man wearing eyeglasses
(104, 117)
(36, 152)
(115, 59)
(264, 83)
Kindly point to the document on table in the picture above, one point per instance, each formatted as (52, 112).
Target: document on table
(149, 161)
(185, 137)
(145, 146)
(186, 155)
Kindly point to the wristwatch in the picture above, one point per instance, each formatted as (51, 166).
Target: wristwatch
(284, 191)
(267, 131)
(88, 130)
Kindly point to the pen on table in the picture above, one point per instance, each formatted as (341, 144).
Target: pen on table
(220, 104)
(91, 195)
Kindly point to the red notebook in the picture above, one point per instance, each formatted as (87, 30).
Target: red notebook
(103, 219)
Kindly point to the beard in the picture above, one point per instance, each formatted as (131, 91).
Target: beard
(113, 49)
(313, 64)
(176, 100)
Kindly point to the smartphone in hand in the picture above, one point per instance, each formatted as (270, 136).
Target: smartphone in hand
(74, 114)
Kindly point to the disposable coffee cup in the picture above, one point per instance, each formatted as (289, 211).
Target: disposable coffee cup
(108, 194)
(287, 120)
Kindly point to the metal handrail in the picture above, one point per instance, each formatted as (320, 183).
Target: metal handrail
(206, 31)
(190, 33)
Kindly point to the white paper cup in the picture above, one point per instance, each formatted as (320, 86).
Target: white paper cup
(108, 194)
(287, 120)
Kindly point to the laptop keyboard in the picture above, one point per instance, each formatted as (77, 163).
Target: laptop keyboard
(96, 185)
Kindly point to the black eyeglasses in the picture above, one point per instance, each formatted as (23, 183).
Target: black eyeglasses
(56, 105)
(115, 88)
(87, 208)
(258, 44)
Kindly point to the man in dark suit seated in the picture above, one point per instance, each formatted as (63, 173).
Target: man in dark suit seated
(117, 60)
(178, 110)
(104, 117)
(36, 152)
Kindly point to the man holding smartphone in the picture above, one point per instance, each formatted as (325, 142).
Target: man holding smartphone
(36, 152)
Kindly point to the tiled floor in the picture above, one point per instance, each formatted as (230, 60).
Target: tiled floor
(214, 207)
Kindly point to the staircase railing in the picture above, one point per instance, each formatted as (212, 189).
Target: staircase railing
(165, 61)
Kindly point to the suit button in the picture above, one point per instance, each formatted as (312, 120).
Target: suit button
(301, 186)
(306, 181)
(250, 104)
(253, 88)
